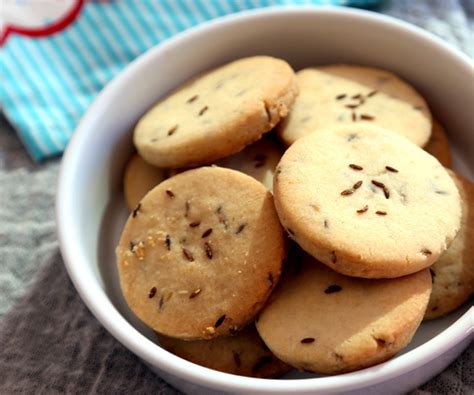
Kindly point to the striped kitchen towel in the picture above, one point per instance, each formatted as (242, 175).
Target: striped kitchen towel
(57, 55)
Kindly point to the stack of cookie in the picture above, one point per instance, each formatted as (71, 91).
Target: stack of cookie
(365, 212)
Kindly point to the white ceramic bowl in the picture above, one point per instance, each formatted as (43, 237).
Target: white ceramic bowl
(91, 210)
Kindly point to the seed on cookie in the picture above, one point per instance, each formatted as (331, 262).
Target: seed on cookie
(136, 210)
(392, 169)
(240, 228)
(307, 340)
(191, 99)
(203, 110)
(187, 254)
(195, 293)
(332, 288)
(206, 233)
(170, 193)
(219, 321)
(208, 250)
(152, 292)
(356, 167)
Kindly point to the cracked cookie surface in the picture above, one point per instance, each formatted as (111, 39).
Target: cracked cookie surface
(323, 322)
(366, 201)
(217, 114)
(202, 252)
(346, 94)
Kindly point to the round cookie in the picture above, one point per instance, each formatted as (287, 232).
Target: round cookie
(139, 178)
(201, 255)
(366, 201)
(345, 94)
(453, 272)
(438, 144)
(323, 322)
(217, 114)
(257, 160)
(244, 354)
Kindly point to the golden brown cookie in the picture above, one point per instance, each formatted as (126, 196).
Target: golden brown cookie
(453, 272)
(217, 114)
(139, 178)
(347, 94)
(200, 255)
(366, 201)
(438, 144)
(244, 354)
(320, 321)
(257, 160)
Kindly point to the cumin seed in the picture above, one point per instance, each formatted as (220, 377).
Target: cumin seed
(358, 96)
(347, 192)
(208, 250)
(378, 184)
(390, 168)
(162, 302)
(370, 94)
(307, 340)
(240, 228)
(194, 224)
(367, 117)
(172, 130)
(195, 293)
(341, 96)
(203, 110)
(152, 292)
(168, 242)
(354, 116)
(351, 106)
(188, 255)
(206, 233)
(170, 193)
(190, 100)
(357, 185)
(136, 210)
(381, 213)
(363, 210)
(219, 321)
(425, 251)
(386, 192)
(356, 167)
(332, 289)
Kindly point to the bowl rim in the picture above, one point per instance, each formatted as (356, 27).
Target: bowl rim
(99, 304)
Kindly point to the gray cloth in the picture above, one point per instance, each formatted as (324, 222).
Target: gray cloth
(49, 342)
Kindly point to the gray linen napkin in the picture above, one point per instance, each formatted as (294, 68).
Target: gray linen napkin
(49, 342)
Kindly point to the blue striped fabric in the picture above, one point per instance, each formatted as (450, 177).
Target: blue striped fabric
(47, 83)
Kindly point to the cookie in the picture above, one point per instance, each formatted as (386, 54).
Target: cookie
(257, 160)
(366, 201)
(343, 94)
(324, 322)
(244, 354)
(139, 178)
(201, 253)
(453, 272)
(438, 144)
(217, 114)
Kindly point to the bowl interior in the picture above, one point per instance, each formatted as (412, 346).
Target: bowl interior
(91, 208)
